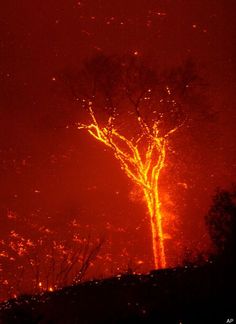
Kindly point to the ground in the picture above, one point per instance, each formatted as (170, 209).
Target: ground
(195, 294)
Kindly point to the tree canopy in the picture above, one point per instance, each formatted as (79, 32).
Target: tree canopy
(221, 223)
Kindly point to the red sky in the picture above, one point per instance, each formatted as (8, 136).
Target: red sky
(50, 174)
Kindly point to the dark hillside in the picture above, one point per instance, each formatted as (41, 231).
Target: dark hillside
(181, 295)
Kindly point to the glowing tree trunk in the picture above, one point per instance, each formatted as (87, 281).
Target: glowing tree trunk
(151, 194)
(143, 169)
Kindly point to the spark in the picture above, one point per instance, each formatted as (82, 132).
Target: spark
(143, 169)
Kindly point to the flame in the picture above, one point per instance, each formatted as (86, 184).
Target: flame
(142, 168)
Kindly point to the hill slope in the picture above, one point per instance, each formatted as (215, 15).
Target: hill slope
(182, 295)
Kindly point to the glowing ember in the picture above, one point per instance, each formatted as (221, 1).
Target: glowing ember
(143, 169)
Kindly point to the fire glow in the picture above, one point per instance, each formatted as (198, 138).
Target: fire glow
(143, 169)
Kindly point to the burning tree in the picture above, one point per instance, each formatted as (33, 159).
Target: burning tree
(133, 111)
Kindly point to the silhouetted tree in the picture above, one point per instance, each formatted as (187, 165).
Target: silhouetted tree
(221, 224)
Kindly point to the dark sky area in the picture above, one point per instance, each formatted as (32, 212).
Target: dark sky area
(51, 173)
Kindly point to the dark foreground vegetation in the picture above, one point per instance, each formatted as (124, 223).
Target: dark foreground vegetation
(186, 295)
(182, 295)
